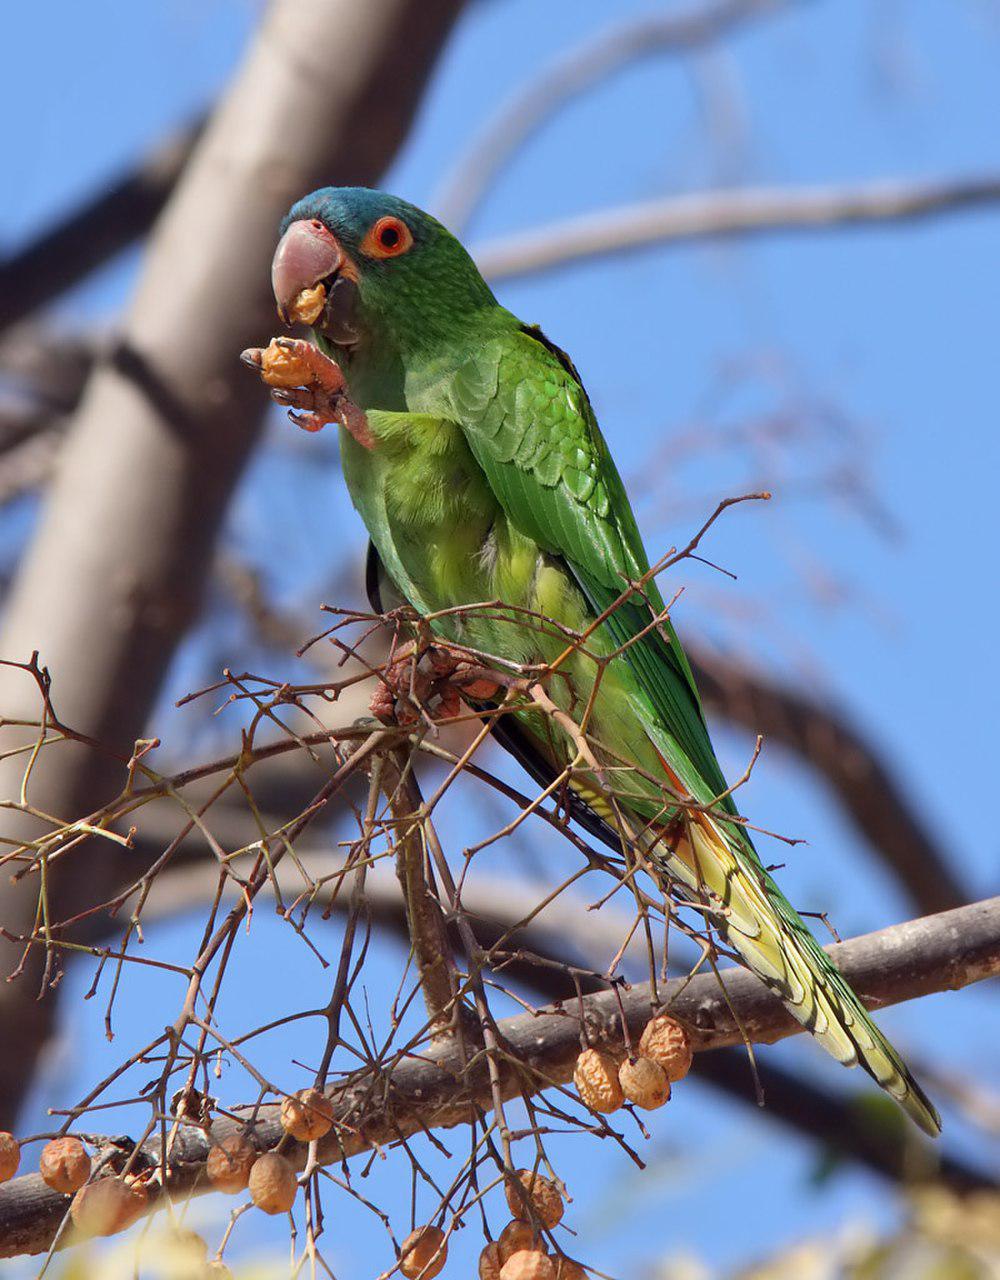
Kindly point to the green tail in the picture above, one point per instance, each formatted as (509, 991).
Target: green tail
(763, 926)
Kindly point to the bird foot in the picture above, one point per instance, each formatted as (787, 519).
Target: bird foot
(309, 384)
(430, 682)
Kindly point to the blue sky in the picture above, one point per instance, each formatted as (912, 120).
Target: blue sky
(879, 345)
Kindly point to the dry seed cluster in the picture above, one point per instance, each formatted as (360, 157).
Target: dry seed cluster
(229, 1164)
(666, 1042)
(540, 1193)
(107, 1206)
(519, 1252)
(272, 1183)
(604, 1081)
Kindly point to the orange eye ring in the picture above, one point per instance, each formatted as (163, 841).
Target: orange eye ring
(388, 238)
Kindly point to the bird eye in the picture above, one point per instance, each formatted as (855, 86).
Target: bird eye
(388, 238)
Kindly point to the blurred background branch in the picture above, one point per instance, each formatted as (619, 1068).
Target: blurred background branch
(722, 214)
(576, 72)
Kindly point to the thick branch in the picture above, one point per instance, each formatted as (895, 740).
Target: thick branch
(934, 953)
(566, 934)
(837, 1121)
(748, 211)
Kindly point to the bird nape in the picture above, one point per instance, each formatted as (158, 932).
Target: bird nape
(472, 454)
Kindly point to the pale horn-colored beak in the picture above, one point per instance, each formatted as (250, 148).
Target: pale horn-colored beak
(306, 254)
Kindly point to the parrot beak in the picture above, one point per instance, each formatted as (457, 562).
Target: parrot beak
(306, 255)
(314, 281)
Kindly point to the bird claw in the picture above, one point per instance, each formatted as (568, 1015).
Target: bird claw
(431, 683)
(301, 377)
(310, 421)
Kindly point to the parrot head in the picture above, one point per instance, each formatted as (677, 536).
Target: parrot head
(361, 266)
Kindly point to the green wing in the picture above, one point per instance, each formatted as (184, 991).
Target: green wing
(530, 426)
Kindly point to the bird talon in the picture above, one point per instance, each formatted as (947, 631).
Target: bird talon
(308, 421)
(302, 377)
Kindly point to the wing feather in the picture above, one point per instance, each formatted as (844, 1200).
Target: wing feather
(531, 428)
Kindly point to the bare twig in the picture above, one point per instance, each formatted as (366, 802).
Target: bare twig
(817, 731)
(934, 953)
(567, 938)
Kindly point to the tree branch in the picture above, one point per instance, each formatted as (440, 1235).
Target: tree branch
(114, 574)
(565, 933)
(838, 1121)
(423, 917)
(435, 1090)
(747, 211)
(95, 232)
(573, 73)
(866, 788)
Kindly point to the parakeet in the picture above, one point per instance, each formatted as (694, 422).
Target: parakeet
(472, 454)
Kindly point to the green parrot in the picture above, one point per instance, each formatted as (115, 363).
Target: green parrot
(471, 451)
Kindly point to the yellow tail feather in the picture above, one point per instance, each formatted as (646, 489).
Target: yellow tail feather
(774, 942)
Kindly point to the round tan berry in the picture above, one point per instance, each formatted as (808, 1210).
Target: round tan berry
(490, 1262)
(517, 1236)
(529, 1264)
(543, 1195)
(10, 1156)
(567, 1269)
(102, 1208)
(64, 1165)
(666, 1042)
(307, 1115)
(424, 1253)
(644, 1082)
(229, 1163)
(596, 1080)
(272, 1183)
